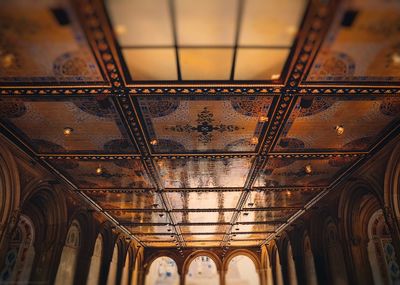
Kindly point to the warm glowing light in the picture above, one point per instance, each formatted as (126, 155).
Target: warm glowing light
(254, 140)
(67, 131)
(7, 60)
(263, 119)
(275, 76)
(120, 29)
(339, 130)
(153, 142)
(396, 58)
(308, 169)
(99, 170)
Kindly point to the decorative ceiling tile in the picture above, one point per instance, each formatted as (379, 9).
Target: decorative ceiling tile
(244, 243)
(148, 229)
(203, 200)
(201, 124)
(281, 197)
(203, 229)
(254, 228)
(291, 172)
(114, 174)
(362, 44)
(43, 125)
(126, 217)
(312, 125)
(266, 216)
(189, 238)
(42, 42)
(203, 217)
(203, 244)
(203, 172)
(125, 200)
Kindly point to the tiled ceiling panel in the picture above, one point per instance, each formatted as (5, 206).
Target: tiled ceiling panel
(362, 44)
(205, 124)
(42, 42)
(127, 172)
(313, 123)
(42, 123)
(203, 172)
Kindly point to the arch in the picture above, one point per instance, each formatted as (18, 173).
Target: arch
(266, 265)
(245, 252)
(242, 269)
(202, 270)
(291, 267)
(334, 254)
(126, 268)
(159, 253)
(381, 253)
(309, 263)
(113, 269)
(193, 255)
(278, 275)
(95, 262)
(162, 270)
(392, 183)
(136, 269)
(9, 192)
(20, 254)
(69, 257)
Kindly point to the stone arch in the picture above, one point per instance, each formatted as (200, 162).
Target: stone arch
(392, 185)
(266, 265)
(168, 276)
(276, 264)
(9, 193)
(247, 253)
(309, 262)
(69, 256)
(46, 207)
(96, 261)
(168, 253)
(197, 253)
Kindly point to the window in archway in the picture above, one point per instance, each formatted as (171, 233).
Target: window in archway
(95, 262)
(381, 253)
(69, 257)
(162, 271)
(202, 271)
(242, 271)
(20, 254)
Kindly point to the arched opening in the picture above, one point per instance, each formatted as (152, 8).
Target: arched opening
(135, 274)
(95, 262)
(336, 262)
(291, 267)
(202, 270)
(278, 269)
(242, 271)
(381, 253)
(112, 271)
(125, 270)
(162, 271)
(309, 264)
(20, 254)
(266, 266)
(67, 266)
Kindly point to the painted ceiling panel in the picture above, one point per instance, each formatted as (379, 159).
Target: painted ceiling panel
(202, 124)
(148, 229)
(280, 197)
(160, 244)
(127, 217)
(118, 173)
(291, 172)
(254, 228)
(42, 42)
(203, 229)
(362, 44)
(42, 124)
(203, 200)
(250, 236)
(203, 172)
(311, 125)
(157, 238)
(125, 200)
(266, 216)
(244, 243)
(189, 238)
(203, 217)
(203, 244)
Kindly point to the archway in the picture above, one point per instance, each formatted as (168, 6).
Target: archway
(202, 270)
(381, 253)
(163, 271)
(95, 262)
(291, 267)
(309, 263)
(113, 269)
(67, 266)
(278, 269)
(242, 271)
(20, 254)
(125, 269)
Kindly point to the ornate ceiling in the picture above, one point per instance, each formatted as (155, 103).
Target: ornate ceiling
(186, 136)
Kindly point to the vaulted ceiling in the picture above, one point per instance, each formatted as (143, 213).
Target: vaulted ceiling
(200, 123)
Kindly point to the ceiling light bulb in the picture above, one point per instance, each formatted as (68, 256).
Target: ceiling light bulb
(396, 58)
(339, 130)
(99, 170)
(308, 169)
(250, 204)
(153, 142)
(8, 60)
(254, 140)
(67, 131)
(275, 76)
(263, 119)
